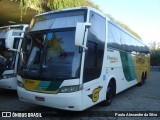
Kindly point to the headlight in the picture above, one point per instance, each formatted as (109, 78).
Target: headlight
(5, 76)
(68, 89)
(20, 84)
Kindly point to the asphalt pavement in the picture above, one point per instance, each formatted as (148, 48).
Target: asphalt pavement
(136, 98)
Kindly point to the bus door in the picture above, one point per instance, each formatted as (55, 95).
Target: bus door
(91, 73)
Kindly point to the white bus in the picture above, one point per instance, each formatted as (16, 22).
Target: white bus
(75, 58)
(10, 37)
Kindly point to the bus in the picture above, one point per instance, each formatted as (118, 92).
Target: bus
(10, 39)
(75, 58)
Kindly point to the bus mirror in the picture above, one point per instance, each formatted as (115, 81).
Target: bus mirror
(9, 40)
(10, 36)
(80, 33)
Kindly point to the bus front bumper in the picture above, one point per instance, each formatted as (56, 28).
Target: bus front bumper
(66, 101)
(9, 83)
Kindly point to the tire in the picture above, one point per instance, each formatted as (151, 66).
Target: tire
(142, 80)
(109, 95)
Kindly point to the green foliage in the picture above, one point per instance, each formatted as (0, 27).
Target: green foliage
(155, 58)
(47, 5)
(155, 53)
(154, 46)
(55, 44)
(91, 4)
(27, 4)
(61, 4)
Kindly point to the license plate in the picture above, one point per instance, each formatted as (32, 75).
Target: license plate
(39, 98)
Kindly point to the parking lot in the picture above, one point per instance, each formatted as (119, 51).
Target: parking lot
(136, 98)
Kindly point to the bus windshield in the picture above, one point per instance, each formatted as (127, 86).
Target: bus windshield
(7, 57)
(49, 55)
(55, 20)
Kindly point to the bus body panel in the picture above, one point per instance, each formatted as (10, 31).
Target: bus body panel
(66, 101)
(115, 70)
(92, 94)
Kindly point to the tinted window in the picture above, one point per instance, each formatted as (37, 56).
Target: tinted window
(138, 46)
(146, 49)
(52, 55)
(90, 66)
(125, 41)
(91, 55)
(17, 28)
(98, 28)
(95, 43)
(6, 56)
(58, 20)
(119, 39)
(114, 37)
(132, 44)
(16, 43)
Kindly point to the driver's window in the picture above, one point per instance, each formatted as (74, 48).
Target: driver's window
(16, 43)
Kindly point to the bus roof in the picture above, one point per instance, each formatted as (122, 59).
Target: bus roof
(9, 26)
(74, 8)
(97, 11)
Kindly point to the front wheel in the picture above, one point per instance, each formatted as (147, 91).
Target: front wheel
(109, 95)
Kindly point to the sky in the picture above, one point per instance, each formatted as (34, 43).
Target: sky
(142, 16)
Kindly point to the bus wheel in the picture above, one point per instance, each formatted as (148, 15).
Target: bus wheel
(142, 80)
(109, 94)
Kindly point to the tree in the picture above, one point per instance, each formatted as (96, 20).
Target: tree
(61, 4)
(47, 5)
(155, 53)
(153, 46)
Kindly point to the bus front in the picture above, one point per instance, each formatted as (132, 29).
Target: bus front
(8, 57)
(50, 63)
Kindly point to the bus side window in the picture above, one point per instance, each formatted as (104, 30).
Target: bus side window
(90, 65)
(16, 43)
(95, 43)
(125, 41)
(133, 44)
(146, 49)
(138, 46)
(113, 37)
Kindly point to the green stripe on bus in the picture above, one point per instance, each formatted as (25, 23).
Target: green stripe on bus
(128, 66)
(53, 86)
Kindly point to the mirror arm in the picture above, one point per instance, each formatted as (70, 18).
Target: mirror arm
(88, 25)
(84, 47)
(15, 50)
(18, 37)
